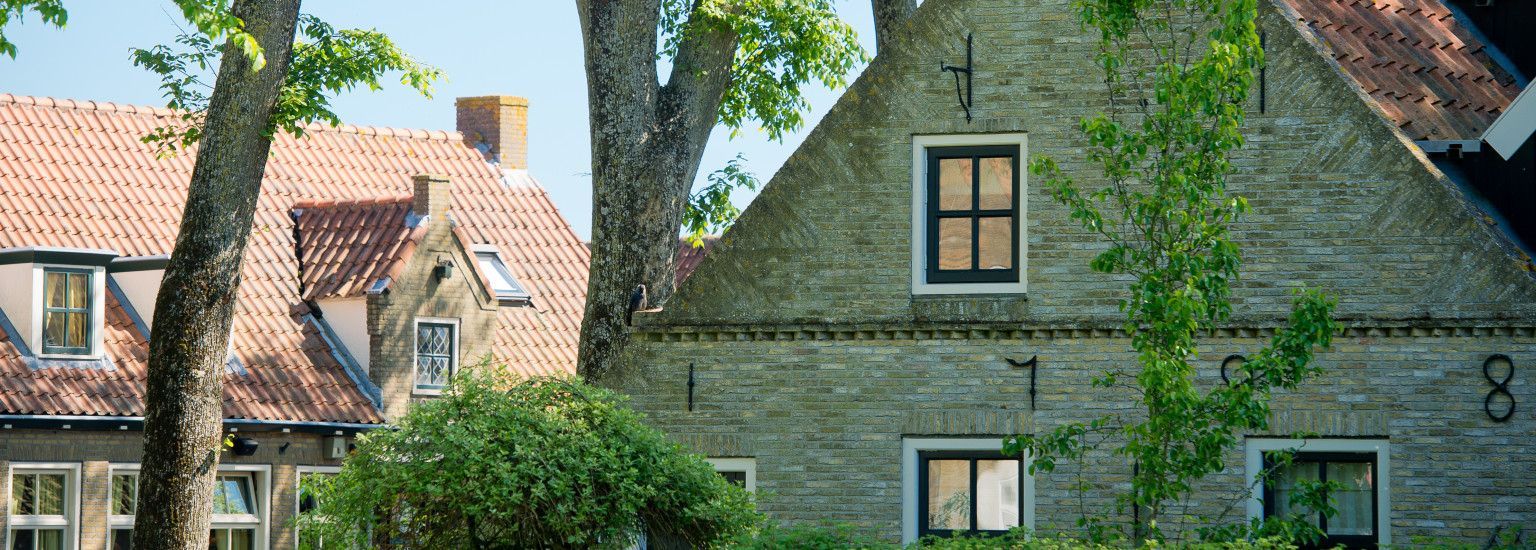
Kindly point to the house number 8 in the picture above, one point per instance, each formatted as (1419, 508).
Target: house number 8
(1500, 387)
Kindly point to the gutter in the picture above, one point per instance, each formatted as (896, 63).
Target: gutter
(136, 423)
(1514, 126)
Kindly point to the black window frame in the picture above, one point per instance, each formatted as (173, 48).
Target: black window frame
(89, 311)
(923, 530)
(975, 214)
(1321, 459)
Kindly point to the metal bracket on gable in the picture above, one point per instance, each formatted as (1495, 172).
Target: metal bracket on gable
(690, 387)
(965, 98)
(1031, 364)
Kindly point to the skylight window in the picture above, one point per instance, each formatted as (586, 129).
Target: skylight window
(506, 288)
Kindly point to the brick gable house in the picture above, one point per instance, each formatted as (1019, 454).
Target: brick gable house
(381, 261)
(838, 347)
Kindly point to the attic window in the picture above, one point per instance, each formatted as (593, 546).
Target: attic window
(67, 311)
(508, 291)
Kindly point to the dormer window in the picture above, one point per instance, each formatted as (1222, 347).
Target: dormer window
(506, 288)
(67, 315)
(53, 304)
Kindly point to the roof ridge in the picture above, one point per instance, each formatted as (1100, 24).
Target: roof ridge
(352, 203)
(111, 107)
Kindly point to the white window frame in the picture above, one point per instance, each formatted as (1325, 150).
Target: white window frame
(911, 446)
(261, 483)
(453, 366)
(1381, 447)
(71, 519)
(115, 521)
(298, 483)
(920, 146)
(746, 465)
(98, 310)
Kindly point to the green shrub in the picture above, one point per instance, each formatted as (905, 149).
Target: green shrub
(548, 463)
(843, 536)
(827, 537)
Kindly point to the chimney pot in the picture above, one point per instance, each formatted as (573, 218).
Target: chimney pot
(497, 126)
(432, 195)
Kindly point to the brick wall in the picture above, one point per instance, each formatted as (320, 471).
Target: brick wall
(418, 293)
(813, 356)
(97, 452)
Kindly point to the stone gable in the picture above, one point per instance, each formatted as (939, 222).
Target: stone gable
(1340, 199)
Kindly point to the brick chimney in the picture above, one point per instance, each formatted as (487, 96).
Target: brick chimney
(432, 196)
(497, 125)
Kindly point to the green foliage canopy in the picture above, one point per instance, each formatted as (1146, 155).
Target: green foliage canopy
(710, 209)
(325, 61)
(1177, 74)
(213, 19)
(547, 463)
(781, 46)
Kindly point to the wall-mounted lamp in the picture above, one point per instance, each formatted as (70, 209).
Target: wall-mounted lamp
(443, 271)
(245, 446)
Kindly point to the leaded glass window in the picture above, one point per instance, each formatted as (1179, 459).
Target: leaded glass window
(434, 355)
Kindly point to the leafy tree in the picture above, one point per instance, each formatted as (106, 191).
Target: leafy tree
(1177, 73)
(732, 62)
(265, 83)
(709, 209)
(543, 463)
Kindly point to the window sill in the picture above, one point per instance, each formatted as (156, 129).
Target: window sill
(941, 289)
(68, 357)
(426, 392)
(39, 521)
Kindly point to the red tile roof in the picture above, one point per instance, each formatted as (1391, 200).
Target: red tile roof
(1426, 70)
(689, 256)
(74, 174)
(347, 247)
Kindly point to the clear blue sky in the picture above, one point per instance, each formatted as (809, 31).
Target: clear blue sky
(530, 48)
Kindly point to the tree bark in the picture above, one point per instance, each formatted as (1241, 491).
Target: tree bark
(647, 142)
(889, 14)
(193, 312)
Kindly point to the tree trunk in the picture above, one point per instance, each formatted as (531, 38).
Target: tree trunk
(889, 14)
(193, 312)
(647, 142)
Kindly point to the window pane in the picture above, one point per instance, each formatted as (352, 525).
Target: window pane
(54, 293)
(955, 243)
(997, 494)
(737, 478)
(50, 494)
(124, 487)
(122, 539)
(996, 246)
(1353, 501)
(431, 371)
(50, 539)
(242, 539)
(433, 339)
(997, 183)
(949, 494)
(79, 324)
(1286, 479)
(231, 495)
(37, 539)
(954, 184)
(23, 494)
(79, 290)
(55, 329)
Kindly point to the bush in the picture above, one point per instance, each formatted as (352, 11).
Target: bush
(839, 537)
(547, 463)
